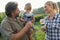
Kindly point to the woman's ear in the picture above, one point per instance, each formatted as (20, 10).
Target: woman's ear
(52, 7)
(12, 13)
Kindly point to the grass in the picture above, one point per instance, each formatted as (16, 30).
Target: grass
(38, 34)
(1, 38)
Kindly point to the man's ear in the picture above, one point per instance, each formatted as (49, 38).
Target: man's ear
(12, 13)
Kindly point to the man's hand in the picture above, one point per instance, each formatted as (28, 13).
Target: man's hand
(29, 23)
(29, 33)
(33, 20)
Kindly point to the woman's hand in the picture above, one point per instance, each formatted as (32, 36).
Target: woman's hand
(43, 28)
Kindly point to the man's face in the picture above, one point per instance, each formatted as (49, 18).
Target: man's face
(16, 12)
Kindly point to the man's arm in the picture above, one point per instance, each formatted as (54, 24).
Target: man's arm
(29, 33)
(7, 30)
(23, 31)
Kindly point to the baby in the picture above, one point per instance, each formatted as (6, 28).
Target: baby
(28, 15)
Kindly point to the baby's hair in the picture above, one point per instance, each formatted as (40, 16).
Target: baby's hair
(28, 5)
(55, 5)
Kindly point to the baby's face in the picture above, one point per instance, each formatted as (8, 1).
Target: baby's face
(27, 9)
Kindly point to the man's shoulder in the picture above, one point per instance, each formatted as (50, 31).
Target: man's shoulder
(4, 21)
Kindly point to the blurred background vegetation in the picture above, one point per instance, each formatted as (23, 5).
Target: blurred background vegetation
(39, 14)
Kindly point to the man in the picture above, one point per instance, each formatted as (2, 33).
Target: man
(11, 26)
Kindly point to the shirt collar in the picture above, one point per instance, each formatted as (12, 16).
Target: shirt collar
(12, 19)
(55, 16)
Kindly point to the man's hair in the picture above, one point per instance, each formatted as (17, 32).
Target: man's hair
(10, 6)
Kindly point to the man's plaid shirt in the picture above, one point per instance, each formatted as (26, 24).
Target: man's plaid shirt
(53, 28)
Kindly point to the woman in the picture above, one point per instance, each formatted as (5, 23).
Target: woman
(52, 22)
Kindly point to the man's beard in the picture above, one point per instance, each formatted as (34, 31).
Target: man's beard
(17, 16)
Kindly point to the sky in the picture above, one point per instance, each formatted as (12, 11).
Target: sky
(21, 3)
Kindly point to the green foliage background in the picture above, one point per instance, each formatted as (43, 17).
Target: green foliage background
(39, 14)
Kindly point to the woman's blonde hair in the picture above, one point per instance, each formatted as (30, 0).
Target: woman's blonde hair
(55, 6)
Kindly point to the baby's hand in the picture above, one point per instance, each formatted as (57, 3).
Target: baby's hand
(22, 20)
